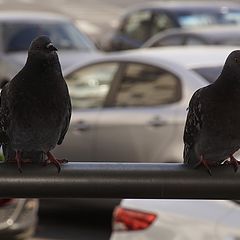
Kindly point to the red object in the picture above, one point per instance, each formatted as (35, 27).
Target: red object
(129, 220)
(4, 201)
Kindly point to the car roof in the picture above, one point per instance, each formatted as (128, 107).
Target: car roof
(186, 5)
(186, 56)
(13, 16)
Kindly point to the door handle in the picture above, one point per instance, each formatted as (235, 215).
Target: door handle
(157, 122)
(82, 126)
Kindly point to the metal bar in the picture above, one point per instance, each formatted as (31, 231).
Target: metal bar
(119, 180)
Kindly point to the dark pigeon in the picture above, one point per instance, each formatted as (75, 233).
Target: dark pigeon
(212, 130)
(35, 107)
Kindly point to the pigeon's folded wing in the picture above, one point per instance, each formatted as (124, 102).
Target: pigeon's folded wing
(66, 122)
(192, 128)
(4, 114)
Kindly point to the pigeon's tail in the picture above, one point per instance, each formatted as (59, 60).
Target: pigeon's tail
(190, 157)
(33, 156)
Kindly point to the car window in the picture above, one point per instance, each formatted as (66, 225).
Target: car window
(138, 25)
(192, 40)
(89, 86)
(144, 85)
(209, 73)
(18, 36)
(161, 22)
(230, 16)
(173, 40)
(198, 19)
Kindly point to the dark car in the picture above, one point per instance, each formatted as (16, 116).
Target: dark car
(143, 22)
(214, 35)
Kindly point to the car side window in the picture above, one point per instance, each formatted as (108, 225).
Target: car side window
(192, 40)
(161, 22)
(173, 40)
(144, 85)
(138, 25)
(89, 86)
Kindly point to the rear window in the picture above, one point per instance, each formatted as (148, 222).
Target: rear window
(64, 35)
(208, 17)
(209, 73)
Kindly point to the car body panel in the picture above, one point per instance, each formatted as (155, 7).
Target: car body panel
(137, 132)
(183, 219)
(80, 141)
(213, 35)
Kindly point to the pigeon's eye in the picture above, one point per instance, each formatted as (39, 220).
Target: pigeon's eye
(236, 60)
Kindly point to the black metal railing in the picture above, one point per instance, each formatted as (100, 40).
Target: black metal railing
(119, 180)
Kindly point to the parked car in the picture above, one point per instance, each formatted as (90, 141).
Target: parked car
(176, 219)
(146, 20)
(131, 106)
(18, 28)
(214, 35)
(18, 218)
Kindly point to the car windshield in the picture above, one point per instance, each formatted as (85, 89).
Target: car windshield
(18, 36)
(209, 73)
(191, 18)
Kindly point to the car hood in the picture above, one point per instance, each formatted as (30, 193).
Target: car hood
(67, 58)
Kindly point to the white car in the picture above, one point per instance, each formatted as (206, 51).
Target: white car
(19, 28)
(131, 106)
(139, 219)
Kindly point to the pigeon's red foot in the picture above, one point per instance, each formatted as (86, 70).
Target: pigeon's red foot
(56, 162)
(205, 163)
(233, 162)
(19, 160)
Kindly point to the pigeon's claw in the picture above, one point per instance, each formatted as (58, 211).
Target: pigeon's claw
(205, 163)
(18, 158)
(234, 162)
(56, 162)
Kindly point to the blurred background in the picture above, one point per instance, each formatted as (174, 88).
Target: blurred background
(131, 68)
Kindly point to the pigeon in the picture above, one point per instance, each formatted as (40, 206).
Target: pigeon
(35, 108)
(212, 128)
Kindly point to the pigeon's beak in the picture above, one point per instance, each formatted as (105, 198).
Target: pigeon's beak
(51, 47)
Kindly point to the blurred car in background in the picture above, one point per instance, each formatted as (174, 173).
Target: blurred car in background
(176, 219)
(131, 106)
(146, 20)
(214, 35)
(18, 218)
(19, 28)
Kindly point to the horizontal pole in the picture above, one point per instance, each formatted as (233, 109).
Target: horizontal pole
(118, 180)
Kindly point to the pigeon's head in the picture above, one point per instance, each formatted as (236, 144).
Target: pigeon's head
(231, 69)
(42, 44)
(233, 60)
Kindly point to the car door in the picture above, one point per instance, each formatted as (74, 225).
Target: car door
(88, 88)
(137, 123)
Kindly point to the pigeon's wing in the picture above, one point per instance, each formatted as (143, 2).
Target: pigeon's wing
(4, 114)
(66, 122)
(192, 128)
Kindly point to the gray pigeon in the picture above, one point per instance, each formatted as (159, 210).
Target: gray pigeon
(35, 107)
(212, 129)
